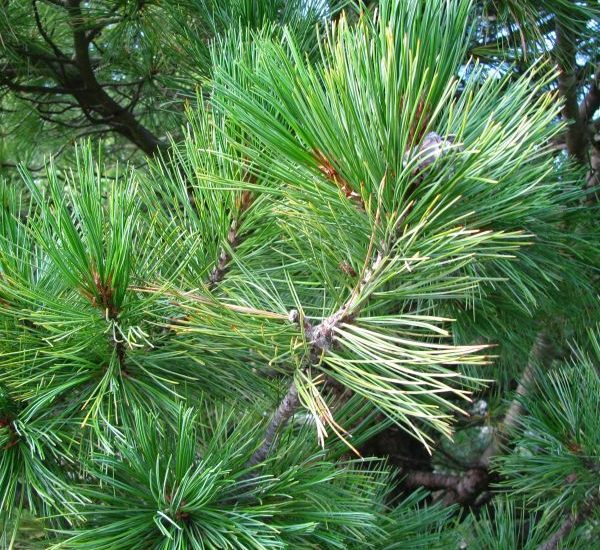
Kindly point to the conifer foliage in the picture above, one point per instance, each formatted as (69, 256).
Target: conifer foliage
(361, 231)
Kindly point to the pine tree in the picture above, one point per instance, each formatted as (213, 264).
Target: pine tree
(360, 231)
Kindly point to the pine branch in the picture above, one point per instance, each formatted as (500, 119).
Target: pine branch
(591, 101)
(573, 520)
(576, 137)
(321, 336)
(431, 480)
(460, 489)
(320, 339)
(541, 354)
(76, 77)
(593, 175)
(284, 412)
(233, 241)
(465, 488)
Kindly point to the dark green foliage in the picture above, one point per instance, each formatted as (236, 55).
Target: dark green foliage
(188, 486)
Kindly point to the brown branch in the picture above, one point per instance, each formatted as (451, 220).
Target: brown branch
(94, 98)
(591, 101)
(463, 489)
(284, 412)
(321, 338)
(15, 166)
(573, 520)
(222, 266)
(565, 50)
(43, 33)
(431, 480)
(219, 271)
(541, 355)
(54, 90)
(73, 123)
(57, 101)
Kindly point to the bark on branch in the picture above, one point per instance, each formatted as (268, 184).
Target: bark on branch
(541, 355)
(573, 520)
(284, 412)
(566, 50)
(233, 240)
(460, 489)
(591, 101)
